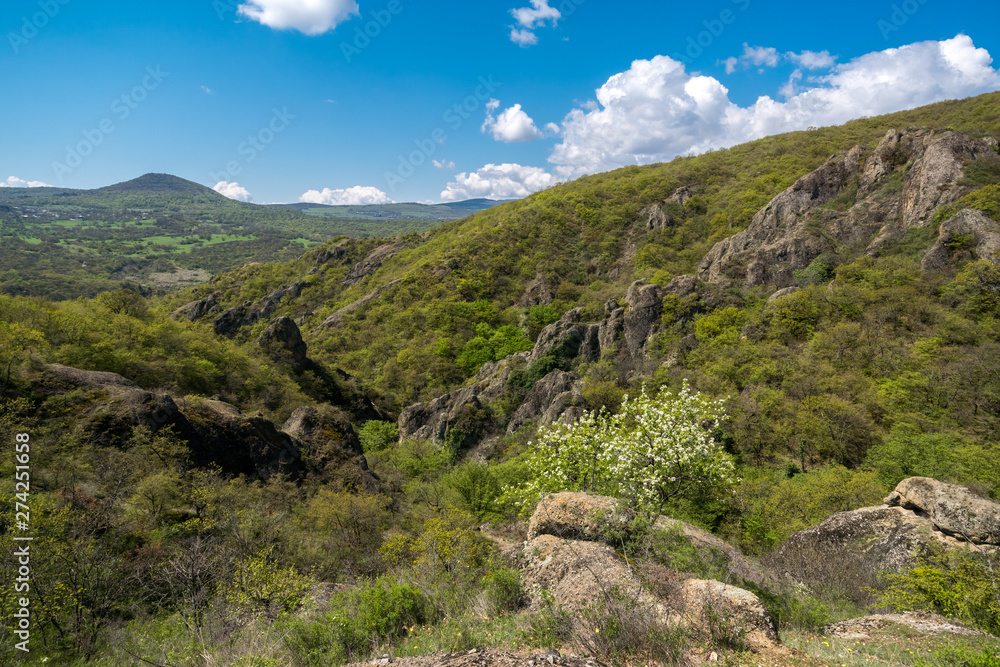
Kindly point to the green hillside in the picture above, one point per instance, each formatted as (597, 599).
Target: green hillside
(241, 495)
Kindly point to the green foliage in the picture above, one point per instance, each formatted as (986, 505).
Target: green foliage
(720, 327)
(260, 585)
(504, 592)
(376, 436)
(492, 345)
(956, 583)
(478, 487)
(947, 457)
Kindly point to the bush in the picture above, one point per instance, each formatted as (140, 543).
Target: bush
(956, 583)
(378, 435)
(504, 592)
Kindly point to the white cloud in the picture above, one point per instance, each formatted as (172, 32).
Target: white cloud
(206, 90)
(812, 59)
(444, 165)
(513, 125)
(529, 18)
(523, 37)
(233, 191)
(656, 111)
(15, 182)
(760, 55)
(359, 195)
(768, 56)
(498, 181)
(311, 17)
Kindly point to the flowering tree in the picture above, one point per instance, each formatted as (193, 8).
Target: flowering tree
(654, 449)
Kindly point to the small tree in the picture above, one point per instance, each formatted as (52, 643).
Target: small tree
(653, 450)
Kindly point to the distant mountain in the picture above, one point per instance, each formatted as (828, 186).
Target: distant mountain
(161, 183)
(405, 211)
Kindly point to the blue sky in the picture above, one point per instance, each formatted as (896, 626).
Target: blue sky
(289, 100)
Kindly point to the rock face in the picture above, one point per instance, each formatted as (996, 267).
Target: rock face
(282, 341)
(899, 186)
(978, 230)
(624, 331)
(249, 313)
(331, 448)
(577, 516)
(952, 509)
(704, 600)
(195, 310)
(372, 263)
(851, 547)
(215, 432)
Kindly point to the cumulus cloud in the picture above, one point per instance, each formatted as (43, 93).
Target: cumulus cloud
(498, 181)
(512, 125)
(529, 18)
(768, 56)
(812, 59)
(311, 17)
(15, 182)
(233, 191)
(656, 111)
(444, 165)
(359, 195)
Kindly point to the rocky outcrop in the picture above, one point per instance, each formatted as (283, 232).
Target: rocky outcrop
(564, 555)
(578, 516)
(565, 339)
(971, 228)
(550, 398)
(706, 601)
(196, 310)
(282, 342)
(330, 448)
(335, 319)
(642, 319)
(372, 263)
(249, 313)
(215, 432)
(952, 509)
(536, 293)
(900, 185)
(850, 548)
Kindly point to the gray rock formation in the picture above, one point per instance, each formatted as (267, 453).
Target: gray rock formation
(249, 313)
(282, 342)
(372, 263)
(953, 510)
(848, 549)
(549, 399)
(330, 448)
(195, 310)
(899, 186)
(981, 230)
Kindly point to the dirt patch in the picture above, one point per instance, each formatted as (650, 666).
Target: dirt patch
(179, 278)
(923, 622)
(485, 658)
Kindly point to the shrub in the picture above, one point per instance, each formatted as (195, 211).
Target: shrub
(378, 435)
(956, 583)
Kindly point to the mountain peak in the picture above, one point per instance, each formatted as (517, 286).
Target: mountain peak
(159, 183)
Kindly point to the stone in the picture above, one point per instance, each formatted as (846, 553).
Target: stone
(712, 602)
(953, 509)
(982, 230)
(548, 398)
(282, 342)
(577, 516)
(372, 263)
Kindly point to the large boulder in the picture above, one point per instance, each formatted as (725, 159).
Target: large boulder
(282, 342)
(953, 510)
(577, 516)
(711, 603)
(969, 226)
(565, 555)
(249, 313)
(849, 549)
